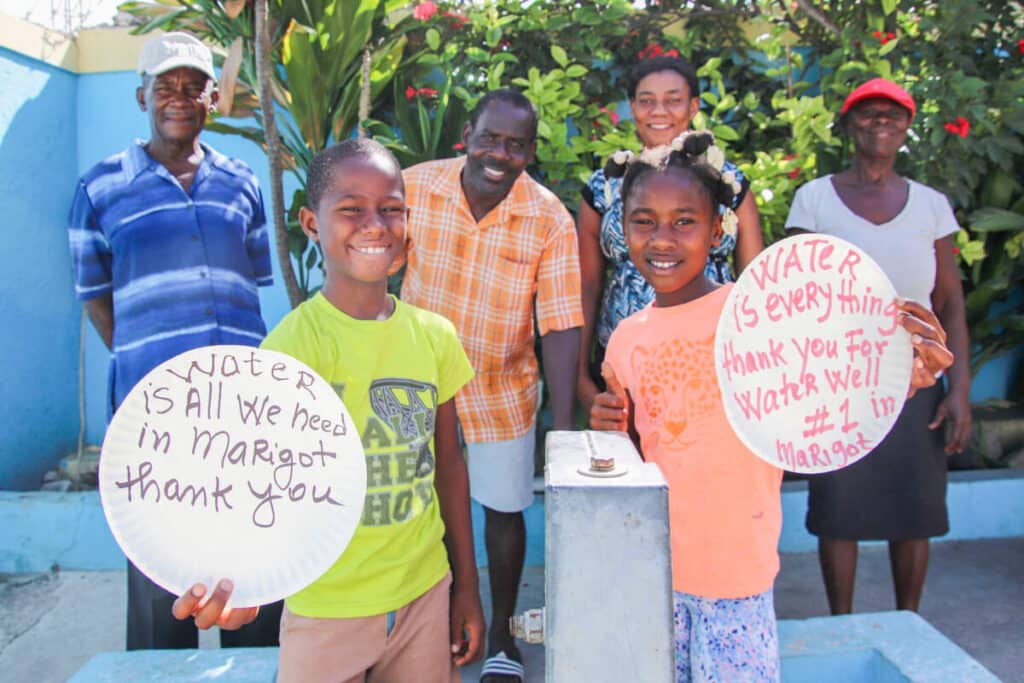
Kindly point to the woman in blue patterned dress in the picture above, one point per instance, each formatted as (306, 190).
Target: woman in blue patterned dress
(663, 98)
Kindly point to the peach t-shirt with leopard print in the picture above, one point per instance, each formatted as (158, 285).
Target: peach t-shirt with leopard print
(724, 502)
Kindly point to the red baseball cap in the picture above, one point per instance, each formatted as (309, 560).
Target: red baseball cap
(880, 88)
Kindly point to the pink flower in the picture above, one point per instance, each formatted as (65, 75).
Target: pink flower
(424, 11)
(458, 146)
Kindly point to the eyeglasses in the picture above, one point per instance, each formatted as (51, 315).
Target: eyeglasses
(646, 104)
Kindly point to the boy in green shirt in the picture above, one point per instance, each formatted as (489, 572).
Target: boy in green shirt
(384, 604)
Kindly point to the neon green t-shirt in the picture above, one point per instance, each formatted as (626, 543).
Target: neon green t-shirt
(392, 375)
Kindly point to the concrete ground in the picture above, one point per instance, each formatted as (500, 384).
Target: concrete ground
(52, 624)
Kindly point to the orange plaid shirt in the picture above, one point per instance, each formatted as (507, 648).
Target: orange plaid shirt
(484, 277)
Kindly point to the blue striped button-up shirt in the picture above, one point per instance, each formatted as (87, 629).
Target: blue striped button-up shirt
(183, 267)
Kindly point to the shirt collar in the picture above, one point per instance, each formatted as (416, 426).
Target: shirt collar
(520, 201)
(137, 160)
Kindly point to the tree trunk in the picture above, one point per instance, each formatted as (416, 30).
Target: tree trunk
(364, 92)
(264, 78)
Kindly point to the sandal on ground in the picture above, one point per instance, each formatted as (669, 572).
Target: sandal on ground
(503, 665)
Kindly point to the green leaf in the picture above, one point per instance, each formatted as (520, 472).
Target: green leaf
(493, 36)
(889, 6)
(494, 76)
(559, 55)
(575, 71)
(888, 47)
(433, 38)
(723, 132)
(996, 220)
(972, 251)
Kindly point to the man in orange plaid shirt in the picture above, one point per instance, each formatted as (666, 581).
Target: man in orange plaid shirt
(488, 248)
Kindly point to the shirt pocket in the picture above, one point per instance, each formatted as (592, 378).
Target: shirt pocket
(514, 281)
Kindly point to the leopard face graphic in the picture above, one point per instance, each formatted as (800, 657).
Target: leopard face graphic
(675, 388)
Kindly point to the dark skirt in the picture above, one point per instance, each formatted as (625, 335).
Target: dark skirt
(898, 492)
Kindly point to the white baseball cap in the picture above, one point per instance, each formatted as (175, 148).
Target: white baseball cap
(169, 51)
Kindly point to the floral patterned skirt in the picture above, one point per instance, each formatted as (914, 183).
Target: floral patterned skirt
(726, 640)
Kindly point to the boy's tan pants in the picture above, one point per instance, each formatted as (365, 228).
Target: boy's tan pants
(361, 649)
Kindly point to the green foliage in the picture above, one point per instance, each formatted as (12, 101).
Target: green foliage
(780, 87)
(773, 76)
(429, 122)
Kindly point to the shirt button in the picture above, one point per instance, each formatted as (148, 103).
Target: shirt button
(209, 311)
(202, 273)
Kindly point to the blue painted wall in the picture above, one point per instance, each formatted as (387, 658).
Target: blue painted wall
(40, 529)
(40, 319)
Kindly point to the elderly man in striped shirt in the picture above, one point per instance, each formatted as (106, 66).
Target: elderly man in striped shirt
(169, 244)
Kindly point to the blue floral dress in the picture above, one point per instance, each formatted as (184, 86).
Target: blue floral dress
(723, 640)
(626, 291)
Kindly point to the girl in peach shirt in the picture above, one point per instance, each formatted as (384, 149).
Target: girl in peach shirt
(724, 502)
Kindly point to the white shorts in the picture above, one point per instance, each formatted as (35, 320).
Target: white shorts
(501, 472)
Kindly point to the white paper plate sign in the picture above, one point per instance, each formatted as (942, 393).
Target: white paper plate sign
(811, 360)
(233, 462)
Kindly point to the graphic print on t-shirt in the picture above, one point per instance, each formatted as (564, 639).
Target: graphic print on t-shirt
(397, 439)
(675, 388)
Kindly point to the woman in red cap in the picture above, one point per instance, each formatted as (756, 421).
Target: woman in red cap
(898, 494)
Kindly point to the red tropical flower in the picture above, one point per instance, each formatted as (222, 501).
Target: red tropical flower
(956, 250)
(427, 92)
(410, 93)
(458, 146)
(457, 20)
(877, 34)
(961, 127)
(890, 36)
(424, 11)
(1020, 45)
(795, 173)
(652, 50)
(672, 53)
(612, 115)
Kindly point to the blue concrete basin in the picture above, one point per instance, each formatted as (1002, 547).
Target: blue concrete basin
(855, 666)
(884, 647)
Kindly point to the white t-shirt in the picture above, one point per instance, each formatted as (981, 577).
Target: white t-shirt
(904, 247)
